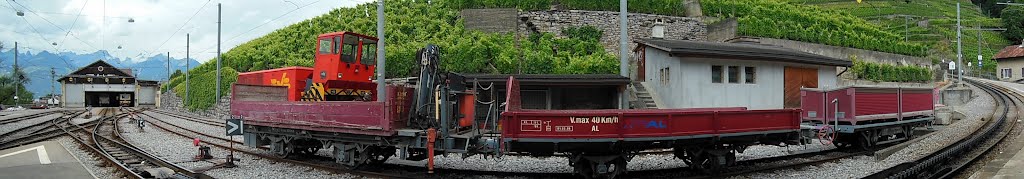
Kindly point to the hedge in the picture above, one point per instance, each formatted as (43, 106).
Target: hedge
(879, 72)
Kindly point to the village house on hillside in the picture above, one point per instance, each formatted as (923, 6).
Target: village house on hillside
(1010, 63)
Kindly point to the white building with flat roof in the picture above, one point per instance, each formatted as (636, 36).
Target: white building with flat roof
(690, 74)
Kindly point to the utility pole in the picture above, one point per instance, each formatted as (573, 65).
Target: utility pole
(381, 93)
(14, 74)
(217, 97)
(623, 102)
(187, 40)
(979, 52)
(168, 66)
(959, 47)
(906, 28)
(53, 74)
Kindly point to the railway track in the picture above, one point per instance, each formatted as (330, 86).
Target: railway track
(104, 140)
(190, 118)
(225, 144)
(26, 117)
(950, 160)
(36, 132)
(404, 171)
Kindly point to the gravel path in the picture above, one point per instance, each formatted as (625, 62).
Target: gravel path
(177, 149)
(861, 166)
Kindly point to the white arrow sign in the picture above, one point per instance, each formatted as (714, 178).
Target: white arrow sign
(40, 150)
(234, 127)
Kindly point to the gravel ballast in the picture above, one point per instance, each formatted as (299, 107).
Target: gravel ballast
(860, 166)
(28, 122)
(91, 163)
(180, 150)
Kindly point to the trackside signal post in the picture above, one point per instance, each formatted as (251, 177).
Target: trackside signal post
(234, 127)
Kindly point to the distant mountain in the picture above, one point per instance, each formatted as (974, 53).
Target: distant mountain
(37, 65)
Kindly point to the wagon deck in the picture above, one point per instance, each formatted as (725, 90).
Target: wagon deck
(256, 105)
(610, 125)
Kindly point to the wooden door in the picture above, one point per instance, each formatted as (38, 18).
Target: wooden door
(795, 78)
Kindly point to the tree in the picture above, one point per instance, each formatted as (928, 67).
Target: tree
(1013, 21)
(7, 86)
(175, 74)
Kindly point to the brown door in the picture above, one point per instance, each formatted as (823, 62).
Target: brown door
(795, 78)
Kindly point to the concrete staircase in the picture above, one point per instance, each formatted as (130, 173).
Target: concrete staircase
(644, 99)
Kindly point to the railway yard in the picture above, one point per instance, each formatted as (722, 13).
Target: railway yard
(164, 147)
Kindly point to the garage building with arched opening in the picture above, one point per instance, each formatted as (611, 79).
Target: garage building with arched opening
(102, 85)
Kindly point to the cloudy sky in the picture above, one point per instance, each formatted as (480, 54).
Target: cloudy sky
(160, 25)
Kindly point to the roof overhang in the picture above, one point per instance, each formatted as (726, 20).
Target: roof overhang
(740, 51)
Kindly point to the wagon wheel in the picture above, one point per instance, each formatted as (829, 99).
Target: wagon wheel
(282, 149)
(584, 168)
(864, 141)
(707, 164)
(618, 166)
(703, 162)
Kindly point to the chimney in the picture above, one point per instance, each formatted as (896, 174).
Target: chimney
(1021, 43)
(658, 31)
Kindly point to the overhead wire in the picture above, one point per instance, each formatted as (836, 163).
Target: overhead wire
(40, 34)
(45, 40)
(261, 25)
(179, 28)
(54, 24)
(80, 10)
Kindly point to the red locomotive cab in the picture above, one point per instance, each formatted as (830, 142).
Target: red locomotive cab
(344, 56)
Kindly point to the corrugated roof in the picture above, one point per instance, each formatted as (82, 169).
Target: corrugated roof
(741, 51)
(1010, 52)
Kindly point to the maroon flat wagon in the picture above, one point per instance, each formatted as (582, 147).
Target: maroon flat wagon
(867, 116)
(601, 142)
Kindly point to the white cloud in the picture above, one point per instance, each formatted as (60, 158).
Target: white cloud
(106, 26)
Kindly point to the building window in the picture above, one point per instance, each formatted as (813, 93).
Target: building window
(734, 74)
(668, 76)
(716, 74)
(1005, 73)
(749, 75)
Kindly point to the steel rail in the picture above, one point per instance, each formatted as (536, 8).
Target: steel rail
(947, 161)
(335, 169)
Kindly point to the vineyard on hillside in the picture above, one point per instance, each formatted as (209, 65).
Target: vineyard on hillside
(929, 22)
(409, 27)
(762, 18)
(775, 19)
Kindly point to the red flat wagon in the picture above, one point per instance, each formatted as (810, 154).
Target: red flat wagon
(603, 140)
(866, 115)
